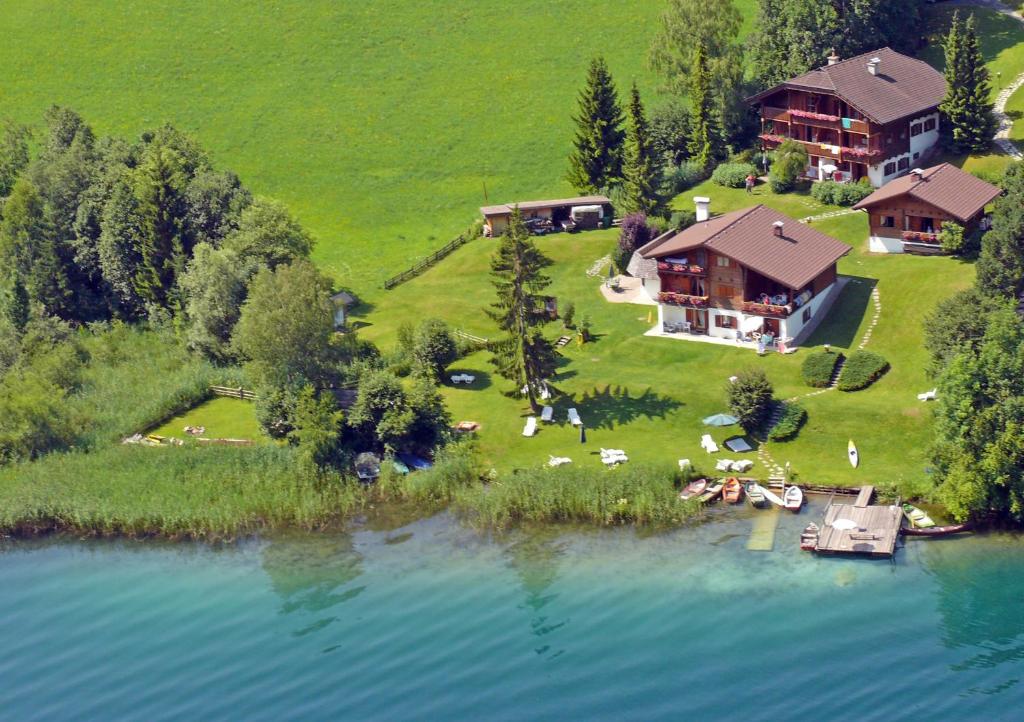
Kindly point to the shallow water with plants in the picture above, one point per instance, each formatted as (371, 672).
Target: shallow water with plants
(431, 620)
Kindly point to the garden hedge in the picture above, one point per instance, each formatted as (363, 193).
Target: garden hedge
(793, 417)
(733, 175)
(818, 367)
(861, 370)
(840, 194)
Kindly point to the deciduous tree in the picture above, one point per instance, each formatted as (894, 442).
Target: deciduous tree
(269, 234)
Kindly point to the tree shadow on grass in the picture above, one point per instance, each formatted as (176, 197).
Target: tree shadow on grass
(839, 328)
(604, 408)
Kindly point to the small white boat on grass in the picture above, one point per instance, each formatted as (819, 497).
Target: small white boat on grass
(851, 450)
(793, 499)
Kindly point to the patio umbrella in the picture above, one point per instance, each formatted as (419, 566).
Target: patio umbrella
(720, 420)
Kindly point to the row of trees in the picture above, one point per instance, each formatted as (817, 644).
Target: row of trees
(976, 340)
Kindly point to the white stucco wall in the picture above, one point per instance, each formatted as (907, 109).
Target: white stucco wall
(652, 286)
(920, 144)
(790, 327)
(729, 333)
(881, 244)
(876, 173)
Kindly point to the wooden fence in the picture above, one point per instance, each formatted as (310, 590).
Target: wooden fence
(234, 393)
(478, 340)
(461, 240)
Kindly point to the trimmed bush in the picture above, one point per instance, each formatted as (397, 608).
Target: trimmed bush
(793, 417)
(861, 370)
(733, 175)
(840, 194)
(682, 219)
(818, 367)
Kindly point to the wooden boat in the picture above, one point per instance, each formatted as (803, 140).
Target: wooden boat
(851, 451)
(937, 530)
(755, 494)
(917, 518)
(694, 488)
(732, 491)
(793, 499)
(711, 493)
(809, 537)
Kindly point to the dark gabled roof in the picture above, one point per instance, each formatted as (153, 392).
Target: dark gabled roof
(944, 186)
(903, 86)
(503, 208)
(748, 237)
(640, 267)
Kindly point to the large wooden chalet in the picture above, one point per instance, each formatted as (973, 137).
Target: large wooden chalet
(872, 115)
(746, 273)
(907, 214)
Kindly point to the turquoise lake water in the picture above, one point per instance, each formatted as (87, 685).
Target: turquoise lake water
(433, 621)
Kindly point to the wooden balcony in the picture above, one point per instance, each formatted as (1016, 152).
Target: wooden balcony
(832, 122)
(780, 114)
(685, 269)
(683, 299)
(835, 152)
(768, 310)
(920, 237)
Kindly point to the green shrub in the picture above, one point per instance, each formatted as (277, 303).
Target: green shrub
(793, 417)
(682, 219)
(818, 367)
(840, 194)
(750, 398)
(861, 370)
(951, 237)
(733, 175)
(788, 165)
(685, 176)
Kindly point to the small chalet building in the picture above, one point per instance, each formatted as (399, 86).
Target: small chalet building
(751, 271)
(872, 115)
(584, 212)
(907, 214)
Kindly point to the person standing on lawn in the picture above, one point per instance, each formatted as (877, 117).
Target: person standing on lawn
(751, 180)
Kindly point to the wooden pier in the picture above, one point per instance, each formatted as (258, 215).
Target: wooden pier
(862, 528)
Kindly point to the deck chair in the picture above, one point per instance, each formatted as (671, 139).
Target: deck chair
(927, 395)
(574, 418)
(709, 444)
(531, 426)
(547, 414)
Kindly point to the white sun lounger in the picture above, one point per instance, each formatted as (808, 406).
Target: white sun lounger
(531, 426)
(574, 418)
(559, 460)
(708, 444)
(547, 414)
(743, 465)
(685, 464)
(723, 465)
(927, 395)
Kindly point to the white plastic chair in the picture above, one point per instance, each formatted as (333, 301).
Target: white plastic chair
(531, 426)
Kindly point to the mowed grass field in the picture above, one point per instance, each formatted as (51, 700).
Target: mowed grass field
(378, 123)
(648, 395)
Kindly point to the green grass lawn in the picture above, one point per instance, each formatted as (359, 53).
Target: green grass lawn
(223, 417)
(1015, 111)
(648, 395)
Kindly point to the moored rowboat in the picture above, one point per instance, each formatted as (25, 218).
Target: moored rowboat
(694, 488)
(809, 537)
(711, 493)
(937, 530)
(732, 491)
(755, 494)
(916, 517)
(793, 499)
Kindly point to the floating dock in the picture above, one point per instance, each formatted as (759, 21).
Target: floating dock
(862, 528)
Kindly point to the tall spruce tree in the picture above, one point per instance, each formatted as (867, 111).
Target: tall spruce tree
(596, 160)
(705, 137)
(524, 356)
(968, 121)
(641, 170)
(159, 186)
(28, 252)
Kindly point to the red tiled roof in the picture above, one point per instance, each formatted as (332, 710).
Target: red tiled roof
(502, 209)
(904, 86)
(748, 237)
(944, 186)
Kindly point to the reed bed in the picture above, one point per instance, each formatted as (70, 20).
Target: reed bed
(641, 495)
(179, 492)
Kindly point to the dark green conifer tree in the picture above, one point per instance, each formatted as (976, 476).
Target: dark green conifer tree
(524, 356)
(596, 160)
(159, 186)
(705, 138)
(968, 122)
(641, 170)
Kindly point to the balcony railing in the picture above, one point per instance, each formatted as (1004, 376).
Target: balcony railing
(839, 152)
(920, 237)
(690, 269)
(766, 309)
(770, 113)
(683, 299)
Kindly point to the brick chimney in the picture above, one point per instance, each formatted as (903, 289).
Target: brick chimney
(778, 226)
(873, 65)
(703, 207)
(833, 58)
